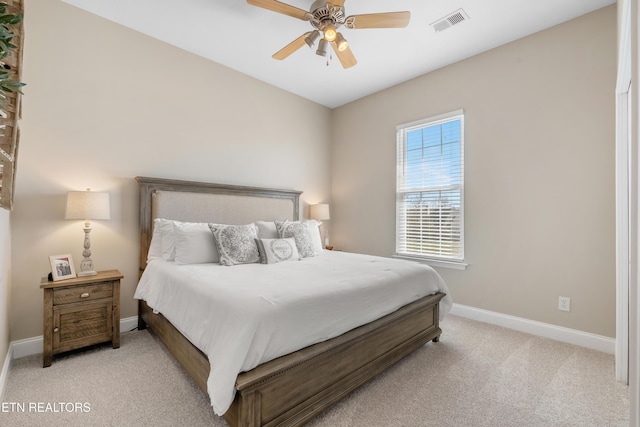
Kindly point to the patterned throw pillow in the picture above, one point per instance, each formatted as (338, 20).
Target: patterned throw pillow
(236, 243)
(277, 250)
(300, 233)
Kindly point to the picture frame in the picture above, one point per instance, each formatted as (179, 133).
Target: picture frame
(62, 267)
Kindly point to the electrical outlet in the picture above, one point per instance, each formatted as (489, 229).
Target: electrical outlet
(564, 304)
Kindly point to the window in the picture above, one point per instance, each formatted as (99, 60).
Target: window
(430, 188)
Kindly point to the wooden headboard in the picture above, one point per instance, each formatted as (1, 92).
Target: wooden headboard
(206, 202)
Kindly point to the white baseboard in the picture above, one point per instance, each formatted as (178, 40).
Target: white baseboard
(558, 333)
(29, 346)
(26, 347)
(128, 324)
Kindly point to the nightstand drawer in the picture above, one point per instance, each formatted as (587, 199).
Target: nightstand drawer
(83, 293)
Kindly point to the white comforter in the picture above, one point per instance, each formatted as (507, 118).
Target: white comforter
(245, 315)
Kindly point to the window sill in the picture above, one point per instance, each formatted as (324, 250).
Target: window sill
(435, 262)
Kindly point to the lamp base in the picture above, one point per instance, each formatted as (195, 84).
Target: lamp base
(86, 268)
(87, 273)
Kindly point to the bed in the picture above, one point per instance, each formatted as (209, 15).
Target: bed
(288, 388)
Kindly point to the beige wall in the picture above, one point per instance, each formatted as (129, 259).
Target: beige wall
(5, 284)
(539, 164)
(104, 104)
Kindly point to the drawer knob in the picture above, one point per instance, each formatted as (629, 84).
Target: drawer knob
(55, 329)
(85, 295)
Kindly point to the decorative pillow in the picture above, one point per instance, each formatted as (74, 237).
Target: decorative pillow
(236, 243)
(194, 243)
(266, 229)
(301, 233)
(277, 250)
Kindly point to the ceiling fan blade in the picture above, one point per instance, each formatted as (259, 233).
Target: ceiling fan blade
(290, 48)
(280, 7)
(336, 2)
(379, 20)
(345, 56)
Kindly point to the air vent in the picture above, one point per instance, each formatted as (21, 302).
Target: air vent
(450, 20)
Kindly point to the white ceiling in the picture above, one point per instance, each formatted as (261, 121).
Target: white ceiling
(243, 37)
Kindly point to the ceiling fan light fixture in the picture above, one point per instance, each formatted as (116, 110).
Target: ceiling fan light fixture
(310, 40)
(322, 47)
(341, 42)
(330, 32)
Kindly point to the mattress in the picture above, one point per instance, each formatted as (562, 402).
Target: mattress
(244, 315)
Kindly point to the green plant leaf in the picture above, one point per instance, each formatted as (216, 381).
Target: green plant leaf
(11, 86)
(8, 22)
(5, 19)
(17, 18)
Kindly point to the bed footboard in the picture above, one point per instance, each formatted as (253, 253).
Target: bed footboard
(293, 388)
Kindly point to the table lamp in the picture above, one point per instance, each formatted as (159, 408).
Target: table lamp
(87, 205)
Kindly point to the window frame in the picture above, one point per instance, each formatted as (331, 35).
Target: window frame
(402, 131)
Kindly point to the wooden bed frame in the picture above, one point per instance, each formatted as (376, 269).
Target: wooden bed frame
(293, 388)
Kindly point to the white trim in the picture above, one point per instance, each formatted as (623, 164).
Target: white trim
(546, 330)
(624, 74)
(623, 199)
(30, 346)
(622, 237)
(128, 324)
(432, 120)
(26, 347)
(456, 265)
(4, 376)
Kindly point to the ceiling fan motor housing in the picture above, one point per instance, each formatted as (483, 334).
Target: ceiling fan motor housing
(323, 11)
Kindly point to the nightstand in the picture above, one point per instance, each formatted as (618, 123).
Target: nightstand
(80, 312)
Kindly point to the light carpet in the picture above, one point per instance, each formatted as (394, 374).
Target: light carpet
(477, 375)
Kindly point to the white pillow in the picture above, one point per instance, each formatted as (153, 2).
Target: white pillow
(155, 247)
(194, 243)
(236, 243)
(266, 229)
(168, 241)
(316, 238)
(277, 250)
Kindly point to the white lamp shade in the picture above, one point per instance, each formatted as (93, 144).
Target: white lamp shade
(87, 205)
(319, 212)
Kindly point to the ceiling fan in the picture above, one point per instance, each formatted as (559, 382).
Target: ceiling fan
(326, 16)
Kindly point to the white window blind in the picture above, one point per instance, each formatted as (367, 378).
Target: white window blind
(430, 188)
